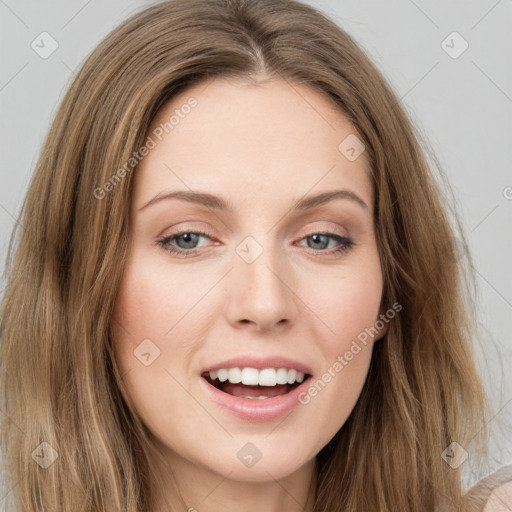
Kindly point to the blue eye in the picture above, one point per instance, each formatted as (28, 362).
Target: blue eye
(323, 239)
(189, 240)
(185, 243)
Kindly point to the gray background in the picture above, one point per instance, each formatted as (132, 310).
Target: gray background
(461, 105)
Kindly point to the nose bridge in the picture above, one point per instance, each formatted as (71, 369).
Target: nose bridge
(259, 292)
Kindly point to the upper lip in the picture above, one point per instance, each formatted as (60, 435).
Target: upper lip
(260, 363)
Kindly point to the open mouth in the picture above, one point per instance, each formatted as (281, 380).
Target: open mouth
(255, 384)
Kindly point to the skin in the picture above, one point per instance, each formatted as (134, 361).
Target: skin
(262, 148)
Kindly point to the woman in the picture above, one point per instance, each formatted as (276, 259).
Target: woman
(236, 286)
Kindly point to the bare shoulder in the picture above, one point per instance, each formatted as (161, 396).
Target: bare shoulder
(493, 493)
(500, 499)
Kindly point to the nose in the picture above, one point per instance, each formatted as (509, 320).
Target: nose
(260, 293)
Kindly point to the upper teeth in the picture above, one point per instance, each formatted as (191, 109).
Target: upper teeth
(255, 377)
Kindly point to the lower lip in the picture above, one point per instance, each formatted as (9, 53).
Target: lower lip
(267, 409)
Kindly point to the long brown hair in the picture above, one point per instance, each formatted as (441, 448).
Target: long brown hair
(59, 380)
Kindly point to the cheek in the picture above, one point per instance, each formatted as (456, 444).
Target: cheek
(145, 310)
(349, 309)
(153, 323)
(152, 300)
(334, 392)
(139, 321)
(348, 306)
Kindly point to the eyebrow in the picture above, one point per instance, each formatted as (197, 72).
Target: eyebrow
(218, 203)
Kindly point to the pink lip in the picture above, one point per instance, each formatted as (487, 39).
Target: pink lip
(255, 410)
(260, 363)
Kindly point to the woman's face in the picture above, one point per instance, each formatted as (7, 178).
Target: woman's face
(245, 271)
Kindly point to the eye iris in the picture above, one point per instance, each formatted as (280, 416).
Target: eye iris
(189, 238)
(319, 239)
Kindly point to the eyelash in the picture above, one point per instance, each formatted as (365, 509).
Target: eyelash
(345, 243)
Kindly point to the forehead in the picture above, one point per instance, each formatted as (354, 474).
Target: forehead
(236, 138)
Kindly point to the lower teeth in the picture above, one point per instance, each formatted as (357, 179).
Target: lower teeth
(254, 397)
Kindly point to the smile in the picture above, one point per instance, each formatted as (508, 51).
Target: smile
(256, 390)
(253, 383)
